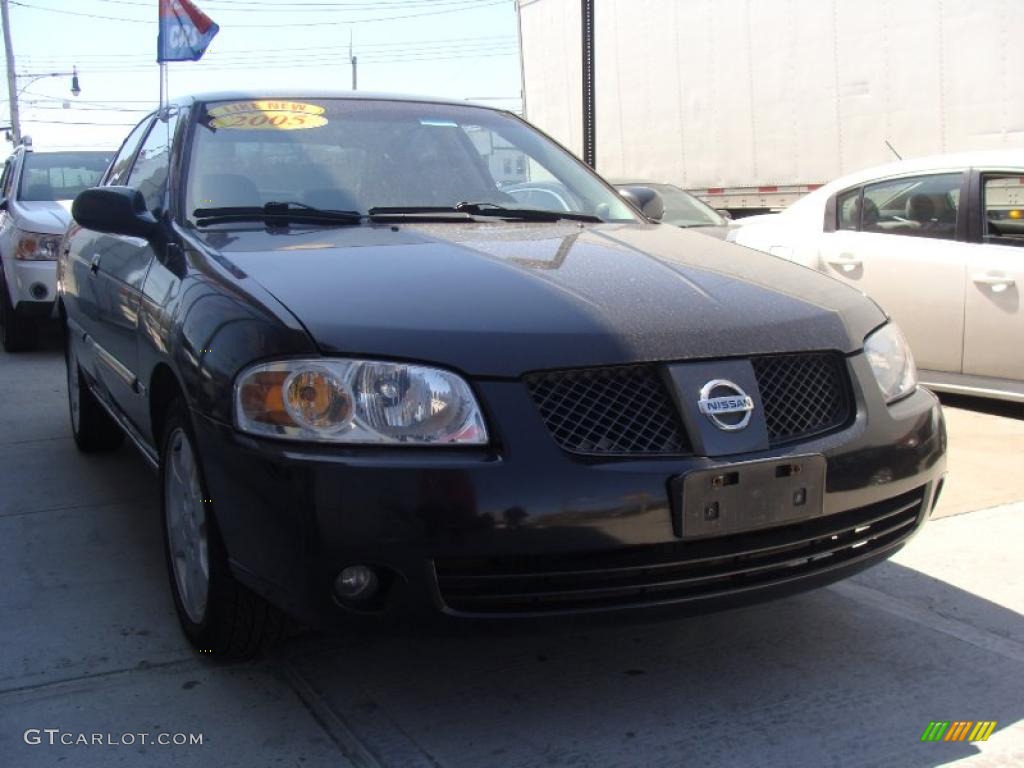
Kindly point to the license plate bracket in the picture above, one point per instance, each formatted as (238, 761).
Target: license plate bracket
(749, 496)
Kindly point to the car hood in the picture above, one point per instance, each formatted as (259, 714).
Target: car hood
(47, 218)
(497, 299)
(712, 230)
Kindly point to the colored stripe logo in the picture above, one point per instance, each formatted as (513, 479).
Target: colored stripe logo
(959, 730)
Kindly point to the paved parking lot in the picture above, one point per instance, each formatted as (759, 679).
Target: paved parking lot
(848, 675)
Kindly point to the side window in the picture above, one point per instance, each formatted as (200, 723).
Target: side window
(119, 168)
(1003, 203)
(149, 174)
(918, 206)
(848, 209)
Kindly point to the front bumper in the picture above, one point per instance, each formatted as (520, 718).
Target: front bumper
(34, 288)
(524, 528)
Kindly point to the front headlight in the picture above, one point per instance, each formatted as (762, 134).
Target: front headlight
(358, 402)
(36, 247)
(893, 364)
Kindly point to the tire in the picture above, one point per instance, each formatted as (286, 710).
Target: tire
(219, 615)
(19, 334)
(91, 426)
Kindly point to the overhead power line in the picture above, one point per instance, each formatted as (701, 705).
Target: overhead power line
(75, 122)
(290, 55)
(468, 5)
(311, 64)
(76, 107)
(361, 6)
(327, 57)
(150, 102)
(444, 43)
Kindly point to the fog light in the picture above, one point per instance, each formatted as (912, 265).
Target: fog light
(357, 582)
(39, 291)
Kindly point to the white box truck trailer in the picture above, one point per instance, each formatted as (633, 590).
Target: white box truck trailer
(749, 104)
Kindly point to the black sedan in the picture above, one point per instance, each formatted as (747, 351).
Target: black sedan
(376, 385)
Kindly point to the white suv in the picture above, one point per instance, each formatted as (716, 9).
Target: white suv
(36, 191)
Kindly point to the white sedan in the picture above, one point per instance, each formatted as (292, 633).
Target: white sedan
(937, 242)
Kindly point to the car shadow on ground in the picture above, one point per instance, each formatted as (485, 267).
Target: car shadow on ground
(984, 405)
(819, 679)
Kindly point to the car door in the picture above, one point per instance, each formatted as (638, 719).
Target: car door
(993, 317)
(121, 271)
(83, 252)
(899, 241)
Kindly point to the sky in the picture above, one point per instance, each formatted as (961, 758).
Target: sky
(451, 48)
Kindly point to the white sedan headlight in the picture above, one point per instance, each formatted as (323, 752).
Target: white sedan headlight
(358, 402)
(892, 362)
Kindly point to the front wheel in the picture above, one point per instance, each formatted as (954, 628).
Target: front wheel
(219, 616)
(18, 333)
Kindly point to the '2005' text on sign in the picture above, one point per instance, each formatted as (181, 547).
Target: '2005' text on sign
(267, 116)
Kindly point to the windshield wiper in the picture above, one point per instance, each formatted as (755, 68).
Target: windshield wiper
(276, 213)
(481, 209)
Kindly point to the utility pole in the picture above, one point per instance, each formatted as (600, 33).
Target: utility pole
(587, 36)
(12, 81)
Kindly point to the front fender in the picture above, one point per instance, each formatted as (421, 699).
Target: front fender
(207, 324)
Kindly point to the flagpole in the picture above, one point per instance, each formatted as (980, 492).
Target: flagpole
(160, 53)
(163, 87)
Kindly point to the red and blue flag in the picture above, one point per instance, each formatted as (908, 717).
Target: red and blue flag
(185, 31)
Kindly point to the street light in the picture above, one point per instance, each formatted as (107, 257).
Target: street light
(31, 77)
(34, 76)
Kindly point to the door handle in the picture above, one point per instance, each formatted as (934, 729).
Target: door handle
(846, 262)
(998, 283)
(94, 265)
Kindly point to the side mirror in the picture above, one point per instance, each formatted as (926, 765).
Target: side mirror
(724, 213)
(646, 199)
(116, 210)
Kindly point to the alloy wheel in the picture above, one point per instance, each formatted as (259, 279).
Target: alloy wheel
(187, 534)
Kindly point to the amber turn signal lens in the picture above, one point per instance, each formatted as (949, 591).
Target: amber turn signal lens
(261, 398)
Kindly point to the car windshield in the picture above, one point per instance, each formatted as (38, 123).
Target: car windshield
(358, 155)
(54, 176)
(684, 210)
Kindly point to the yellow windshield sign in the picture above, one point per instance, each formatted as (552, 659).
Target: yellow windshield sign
(269, 115)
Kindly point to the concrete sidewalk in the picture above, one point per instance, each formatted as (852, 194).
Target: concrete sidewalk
(846, 676)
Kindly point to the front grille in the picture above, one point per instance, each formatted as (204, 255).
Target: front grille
(629, 409)
(677, 572)
(803, 395)
(609, 410)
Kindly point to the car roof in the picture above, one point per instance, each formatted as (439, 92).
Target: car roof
(297, 94)
(994, 158)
